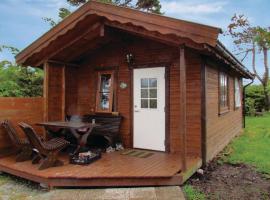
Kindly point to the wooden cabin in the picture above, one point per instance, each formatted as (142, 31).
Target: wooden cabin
(178, 89)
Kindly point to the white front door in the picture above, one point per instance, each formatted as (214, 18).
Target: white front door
(149, 108)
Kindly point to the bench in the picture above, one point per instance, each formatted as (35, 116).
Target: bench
(109, 129)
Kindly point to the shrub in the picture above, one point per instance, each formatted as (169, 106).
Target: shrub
(255, 99)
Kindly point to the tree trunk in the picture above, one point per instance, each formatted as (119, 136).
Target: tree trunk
(266, 78)
(266, 97)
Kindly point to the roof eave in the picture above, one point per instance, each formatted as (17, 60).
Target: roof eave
(108, 10)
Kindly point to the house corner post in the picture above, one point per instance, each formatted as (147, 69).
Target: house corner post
(45, 90)
(203, 110)
(183, 116)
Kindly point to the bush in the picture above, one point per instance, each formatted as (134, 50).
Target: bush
(17, 81)
(255, 99)
(250, 107)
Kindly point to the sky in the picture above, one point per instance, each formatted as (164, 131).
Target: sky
(21, 20)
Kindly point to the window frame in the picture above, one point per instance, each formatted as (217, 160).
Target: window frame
(98, 92)
(236, 79)
(226, 105)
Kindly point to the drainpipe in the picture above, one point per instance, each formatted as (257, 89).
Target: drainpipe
(244, 103)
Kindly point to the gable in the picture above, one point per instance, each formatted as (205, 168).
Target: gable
(93, 12)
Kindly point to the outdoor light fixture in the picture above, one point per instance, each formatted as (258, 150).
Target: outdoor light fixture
(130, 59)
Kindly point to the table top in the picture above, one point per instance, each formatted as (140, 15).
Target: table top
(64, 124)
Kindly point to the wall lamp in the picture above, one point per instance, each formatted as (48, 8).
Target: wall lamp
(130, 59)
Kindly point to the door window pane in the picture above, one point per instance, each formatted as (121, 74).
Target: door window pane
(149, 93)
(153, 93)
(152, 82)
(144, 93)
(153, 103)
(144, 83)
(144, 103)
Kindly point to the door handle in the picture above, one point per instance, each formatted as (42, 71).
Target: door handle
(136, 111)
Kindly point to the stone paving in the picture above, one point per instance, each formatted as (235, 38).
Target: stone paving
(18, 189)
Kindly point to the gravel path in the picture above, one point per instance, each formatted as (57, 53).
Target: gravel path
(12, 188)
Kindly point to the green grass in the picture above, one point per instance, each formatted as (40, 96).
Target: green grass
(192, 194)
(253, 147)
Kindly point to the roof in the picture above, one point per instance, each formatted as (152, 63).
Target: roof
(97, 13)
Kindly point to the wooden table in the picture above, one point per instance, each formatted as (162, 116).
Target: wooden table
(74, 128)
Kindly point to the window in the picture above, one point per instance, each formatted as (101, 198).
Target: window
(104, 97)
(223, 92)
(149, 93)
(237, 96)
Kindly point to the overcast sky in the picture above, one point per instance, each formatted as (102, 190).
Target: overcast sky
(21, 20)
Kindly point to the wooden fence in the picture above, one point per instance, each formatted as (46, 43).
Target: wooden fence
(29, 110)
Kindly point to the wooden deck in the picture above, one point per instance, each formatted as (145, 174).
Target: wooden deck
(113, 169)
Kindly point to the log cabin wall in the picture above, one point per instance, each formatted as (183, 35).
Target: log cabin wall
(220, 129)
(55, 91)
(29, 110)
(147, 54)
(71, 83)
(194, 100)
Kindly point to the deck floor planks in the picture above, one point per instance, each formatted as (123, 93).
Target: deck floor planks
(112, 166)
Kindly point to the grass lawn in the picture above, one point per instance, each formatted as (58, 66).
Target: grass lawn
(193, 194)
(251, 148)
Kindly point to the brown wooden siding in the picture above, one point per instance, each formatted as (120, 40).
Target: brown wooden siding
(113, 56)
(153, 54)
(220, 128)
(29, 110)
(56, 92)
(71, 97)
(193, 96)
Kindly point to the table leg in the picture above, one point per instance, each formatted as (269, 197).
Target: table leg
(81, 138)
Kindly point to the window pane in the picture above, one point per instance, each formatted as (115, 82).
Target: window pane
(153, 93)
(144, 103)
(144, 83)
(104, 93)
(237, 94)
(104, 101)
(144, 93)
(105, 82)
(152, 82)
(153, 103)
(223, 88)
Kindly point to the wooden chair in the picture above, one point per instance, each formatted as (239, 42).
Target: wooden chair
(48, 150)
(22, 146)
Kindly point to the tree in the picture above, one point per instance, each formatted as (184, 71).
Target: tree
(254, 40)
(62, 13)
(152, 6)
(17, 81)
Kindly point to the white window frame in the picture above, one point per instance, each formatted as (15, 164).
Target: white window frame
(237, 93)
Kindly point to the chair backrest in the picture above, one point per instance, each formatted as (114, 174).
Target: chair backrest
(108, 123)
(12, 133)
(32, 136)
(74, 118)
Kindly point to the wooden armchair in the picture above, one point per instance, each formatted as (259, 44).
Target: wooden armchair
(22, 146)
(47, 150)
